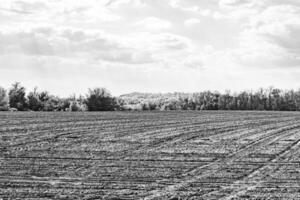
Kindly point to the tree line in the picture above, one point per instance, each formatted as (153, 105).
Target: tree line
(263, 99)
(15, 99)
(100, 99)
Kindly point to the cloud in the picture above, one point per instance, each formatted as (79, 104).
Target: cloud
(191, 22)
(171, 41)
(133, 3)
(268, 35)
(14, 7)
(174, 3)
(194, 62)
(271, 37)
(280, 24)
(58, 12)
(154, 24)
(27, 43)
(234, 3)
(113, 39)
(29, 6)
(47, 41)
(126, 57)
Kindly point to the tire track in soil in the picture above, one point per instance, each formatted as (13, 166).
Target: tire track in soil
(244, 184)
(184, 135)
(202, 133)
(192, 176)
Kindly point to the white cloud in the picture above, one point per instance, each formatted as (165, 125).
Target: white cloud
(71, 43)
(214, 42)
(170, 41)
(191, 22)
(234, 3)
(140, 48)
(271, 37)
(194, 62)
(58, 12)
(174, 3)
(117, 3)
(210, 13)
(154, 24)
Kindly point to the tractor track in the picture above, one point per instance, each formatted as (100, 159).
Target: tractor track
(192, 176)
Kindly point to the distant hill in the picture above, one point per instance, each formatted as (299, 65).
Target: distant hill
(141, 95)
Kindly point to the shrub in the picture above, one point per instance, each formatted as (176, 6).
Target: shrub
(100, 99)
(3, 100)
(17, 97)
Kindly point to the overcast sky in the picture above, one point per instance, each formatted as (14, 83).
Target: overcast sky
(67, 46)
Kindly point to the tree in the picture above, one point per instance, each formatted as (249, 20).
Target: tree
(50, 102)
(63, 104)
(100, 99)
(17, 97)
(34, 102)
(3, 100)
(77, 104)
(41, 101)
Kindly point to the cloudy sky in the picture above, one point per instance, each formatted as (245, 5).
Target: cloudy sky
(67, 46)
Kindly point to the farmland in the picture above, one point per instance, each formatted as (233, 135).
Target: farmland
(150, 155)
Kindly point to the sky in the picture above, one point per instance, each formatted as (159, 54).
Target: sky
(68, 46)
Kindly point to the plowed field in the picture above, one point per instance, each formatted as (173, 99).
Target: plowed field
(150, 155)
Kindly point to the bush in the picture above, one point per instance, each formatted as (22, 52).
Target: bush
(17, 97)
(34, 102)
(3, 100)
(100, 99)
